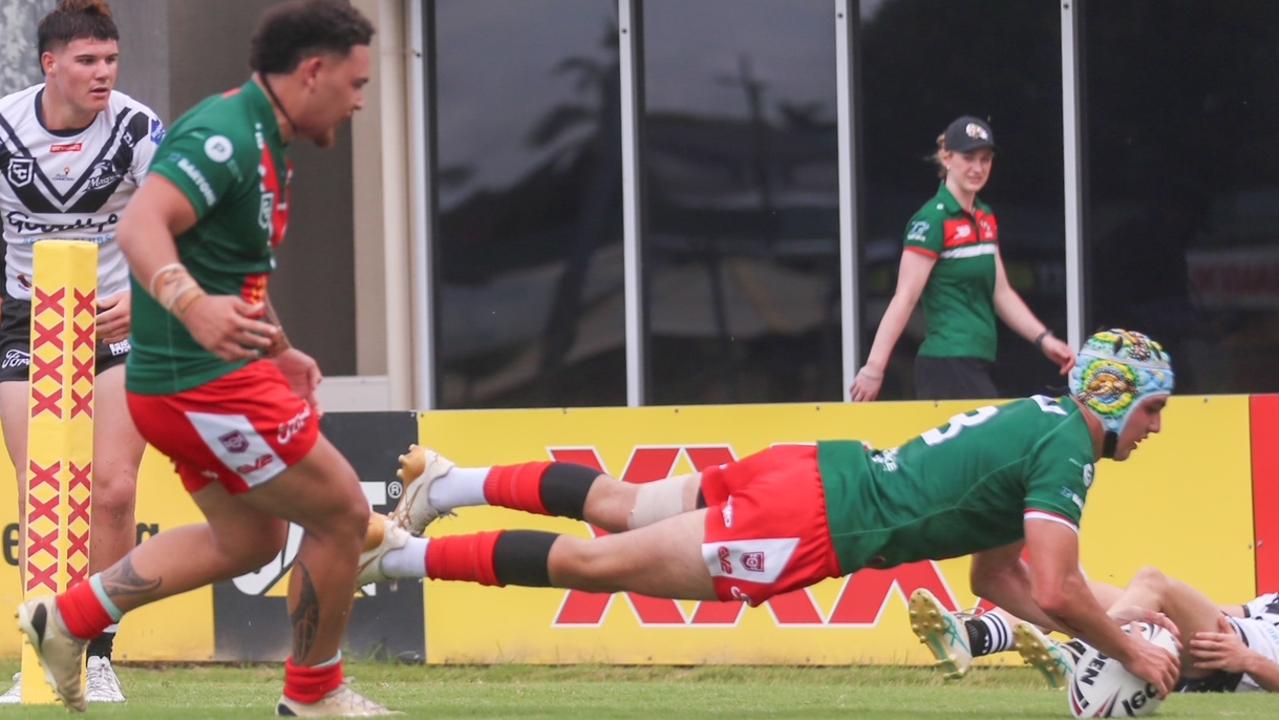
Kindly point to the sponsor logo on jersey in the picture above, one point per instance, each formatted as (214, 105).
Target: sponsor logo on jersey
(288, 430)
(157, 131)
(918, 231)
(119, 348)
(23, 223)
(1088, 475)
(234, 441)
(21, 171)
(219, 148)
(197, 177)
(728, 512)
(16, 358)
(104, 175)
(66, 147)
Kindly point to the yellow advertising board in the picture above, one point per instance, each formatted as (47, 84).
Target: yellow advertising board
(1183, 503)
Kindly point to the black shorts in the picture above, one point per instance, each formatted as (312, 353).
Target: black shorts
(15, 343)
(953, 378)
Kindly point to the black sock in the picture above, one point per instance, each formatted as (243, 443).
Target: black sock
(564, 489)
(520, 558)
(978, 636)
(101, 646)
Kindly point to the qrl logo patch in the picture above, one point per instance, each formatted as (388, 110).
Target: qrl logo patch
(753, 561)
(21, 171)
(234, 441)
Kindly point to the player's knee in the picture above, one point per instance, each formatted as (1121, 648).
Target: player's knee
(114, 496)
(1150, 577)
(581, 564)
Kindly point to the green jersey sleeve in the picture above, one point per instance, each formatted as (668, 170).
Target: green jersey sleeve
(924, 233)
(201, 163)
(1058, 480)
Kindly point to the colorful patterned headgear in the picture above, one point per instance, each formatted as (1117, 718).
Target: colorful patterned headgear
(1114, 371)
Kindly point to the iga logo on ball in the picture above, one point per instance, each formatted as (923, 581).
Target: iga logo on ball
(1102, 687)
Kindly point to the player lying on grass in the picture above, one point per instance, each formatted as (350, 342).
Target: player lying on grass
(1225, 648)
(991, 482)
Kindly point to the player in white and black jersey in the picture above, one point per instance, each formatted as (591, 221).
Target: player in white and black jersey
(72, 152)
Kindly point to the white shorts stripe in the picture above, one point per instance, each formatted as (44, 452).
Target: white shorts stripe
(238, 446)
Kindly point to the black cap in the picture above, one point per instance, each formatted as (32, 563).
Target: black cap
(967, 134)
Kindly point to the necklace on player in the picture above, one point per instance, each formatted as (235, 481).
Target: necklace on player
(276, 100)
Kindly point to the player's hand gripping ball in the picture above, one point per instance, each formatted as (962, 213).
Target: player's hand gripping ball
(1101, 687)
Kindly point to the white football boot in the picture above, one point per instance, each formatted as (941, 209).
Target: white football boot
(384, 536)
(342, 702)
(100, 682)
(942, 632)
(419, 467)
(13, 696)
(61, 653)
(1052, 659)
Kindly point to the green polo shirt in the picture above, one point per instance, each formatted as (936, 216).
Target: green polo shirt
(959, 299)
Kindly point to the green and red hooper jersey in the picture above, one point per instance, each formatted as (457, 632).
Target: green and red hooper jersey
(227, 157)
(959, 297)
(966, 486)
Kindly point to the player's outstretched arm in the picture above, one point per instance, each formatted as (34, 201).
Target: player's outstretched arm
(1000, 576)
(1223, 649)
(1060, 590)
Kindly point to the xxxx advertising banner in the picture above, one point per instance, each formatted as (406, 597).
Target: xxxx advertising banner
(1182, 503)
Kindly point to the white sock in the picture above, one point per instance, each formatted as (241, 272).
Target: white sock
(408, 561)
(1001, 635)
(460, 488)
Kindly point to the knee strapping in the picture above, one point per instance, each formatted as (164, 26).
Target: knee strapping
(656, 501)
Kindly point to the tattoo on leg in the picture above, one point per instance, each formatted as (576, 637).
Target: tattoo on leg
(306, 616)
(121, 580)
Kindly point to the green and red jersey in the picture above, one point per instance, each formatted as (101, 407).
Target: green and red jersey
(959, 297)
(227, 157)
(964, 487)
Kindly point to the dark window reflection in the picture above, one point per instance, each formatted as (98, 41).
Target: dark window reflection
(924, 63)
(1183, 183)
(740, 163)
(529, 284)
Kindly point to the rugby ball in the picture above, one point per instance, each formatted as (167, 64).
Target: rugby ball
(1102, 688)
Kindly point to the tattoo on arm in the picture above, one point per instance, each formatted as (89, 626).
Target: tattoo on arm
(306, 616)
(121, 580)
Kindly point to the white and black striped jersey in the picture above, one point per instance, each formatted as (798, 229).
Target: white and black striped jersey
(70, 184)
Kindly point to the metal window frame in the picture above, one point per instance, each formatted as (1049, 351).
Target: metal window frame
(630, 56)
(422, 166)
(1072, 143)
(847, 21)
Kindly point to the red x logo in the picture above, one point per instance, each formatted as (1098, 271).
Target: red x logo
(42, 509)
(83, 336)
(81, 403)
(78, 543)
(48, 403)
(44, 368)
(41, 476)
(82, 369)
(79, 510)
(41, 543)
(76, 574)
(80, 475)
(45, 301)
(40, 576)
(84, 302)
(46, 335)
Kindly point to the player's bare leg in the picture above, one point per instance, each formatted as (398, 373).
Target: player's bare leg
(435, 486)
(1190, 610)
(661, 560)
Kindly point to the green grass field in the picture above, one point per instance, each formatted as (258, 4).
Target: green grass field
(529, 693)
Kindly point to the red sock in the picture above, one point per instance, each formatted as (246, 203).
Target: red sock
(518, 487)
(82, 612)
(463, 557)
(310, 684)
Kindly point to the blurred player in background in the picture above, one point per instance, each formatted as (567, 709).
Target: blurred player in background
(951, 260)
(992, 483)
(1225, 648)
(214, 383)
(72, 152)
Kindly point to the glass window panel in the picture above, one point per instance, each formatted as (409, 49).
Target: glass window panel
(1004, 64)
(1183, 183)
(529, 285)
(741, 191)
